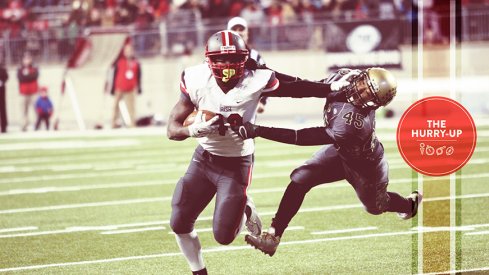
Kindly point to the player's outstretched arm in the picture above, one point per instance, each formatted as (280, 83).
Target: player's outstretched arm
(304, 137)
(176, 130)
(301, 88)
(333, 90)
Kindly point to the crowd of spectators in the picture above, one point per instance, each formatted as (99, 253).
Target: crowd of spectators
(24, 14)
(32, 25)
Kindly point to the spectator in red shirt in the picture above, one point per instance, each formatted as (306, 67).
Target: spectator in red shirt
(27, 74)
(126, 82)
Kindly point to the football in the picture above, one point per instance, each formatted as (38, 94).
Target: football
(191, 118)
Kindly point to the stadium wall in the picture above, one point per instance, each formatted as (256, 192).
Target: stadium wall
(161, 78)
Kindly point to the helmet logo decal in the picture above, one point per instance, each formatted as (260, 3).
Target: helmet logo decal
(228, 49)
(227, 74)
(227, 43)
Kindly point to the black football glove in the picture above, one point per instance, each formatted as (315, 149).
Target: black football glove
(246, 130)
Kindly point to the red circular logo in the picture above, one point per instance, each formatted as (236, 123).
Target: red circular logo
(436, 136)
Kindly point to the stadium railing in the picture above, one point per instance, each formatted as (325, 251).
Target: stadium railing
(183, 32)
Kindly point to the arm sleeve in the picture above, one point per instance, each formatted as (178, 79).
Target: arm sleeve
(301, 88)
(304, 137)
(292, 86)
(284, 77)
(305, 88)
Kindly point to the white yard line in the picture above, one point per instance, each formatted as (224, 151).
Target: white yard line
(346, 230)
(16, 229)
(480, 225)
(160, 199)
(61, 231)
(73, 229)
(181, 154)
(443, 228)
(210, 250)
(51, 189)
(467, 196)
(164, 222)
(157, 169)
(461, 271)
(208, 218)
(485, 232)
(83, 205)
(41, 178)
(76, 144)
(140, 170)
(151, 165)
(243, 232)
(134, 230)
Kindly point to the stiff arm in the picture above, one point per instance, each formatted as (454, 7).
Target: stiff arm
(304, 137)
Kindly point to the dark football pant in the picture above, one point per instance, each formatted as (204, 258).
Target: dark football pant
(207, 174)
(327, 166)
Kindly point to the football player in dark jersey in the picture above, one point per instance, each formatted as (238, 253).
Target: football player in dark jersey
(352, 152)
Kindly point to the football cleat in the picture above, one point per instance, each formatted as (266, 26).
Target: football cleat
(416, 198)
(253, 223)
(266, 243)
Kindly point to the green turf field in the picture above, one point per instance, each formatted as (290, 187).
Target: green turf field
(101, 205)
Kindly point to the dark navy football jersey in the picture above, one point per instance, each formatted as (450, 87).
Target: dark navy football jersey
(353, 130)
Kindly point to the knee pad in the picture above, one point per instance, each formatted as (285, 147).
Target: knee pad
(179, 226)
(377, 207)
(228, 217)
(299, 175)
(299, 187)
(224, 237)
(178, 223)
(374, 210)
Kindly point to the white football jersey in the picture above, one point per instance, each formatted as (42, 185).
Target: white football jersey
(204, 92)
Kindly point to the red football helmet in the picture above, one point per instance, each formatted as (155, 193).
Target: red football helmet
(226, 54)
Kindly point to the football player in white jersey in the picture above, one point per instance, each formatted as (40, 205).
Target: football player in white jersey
(222, 163)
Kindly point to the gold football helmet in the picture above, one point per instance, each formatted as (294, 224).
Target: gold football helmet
(373, 88)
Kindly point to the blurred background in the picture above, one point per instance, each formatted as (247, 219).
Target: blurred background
(74, 43)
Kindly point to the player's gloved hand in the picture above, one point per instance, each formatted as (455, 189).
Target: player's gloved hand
(344, 81)
(201, 127)
(246, 130)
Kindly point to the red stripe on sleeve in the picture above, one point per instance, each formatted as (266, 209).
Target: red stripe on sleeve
(271, 84)
(183, 89)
